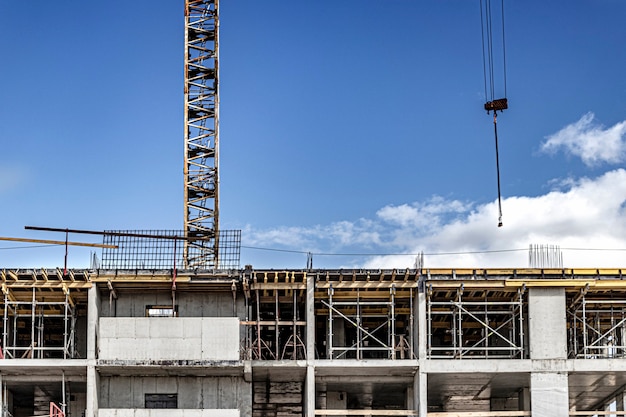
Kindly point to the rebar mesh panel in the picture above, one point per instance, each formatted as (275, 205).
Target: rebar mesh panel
(164, 249)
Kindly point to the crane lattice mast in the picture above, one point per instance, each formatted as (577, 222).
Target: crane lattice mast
(201, 134)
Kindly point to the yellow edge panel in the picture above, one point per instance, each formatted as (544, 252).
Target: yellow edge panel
(133, 278)
(524, 271)
(607, 284)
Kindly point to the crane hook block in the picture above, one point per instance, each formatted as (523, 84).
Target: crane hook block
(498, 104)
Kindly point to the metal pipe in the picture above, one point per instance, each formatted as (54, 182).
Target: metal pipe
(5, 321)
(63, 405)
(392, 327)
(32, 322)
(358, 327)
(330, 322)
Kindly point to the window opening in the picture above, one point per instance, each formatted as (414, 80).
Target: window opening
(161, 400)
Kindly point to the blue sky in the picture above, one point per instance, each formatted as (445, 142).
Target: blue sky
(347, 127)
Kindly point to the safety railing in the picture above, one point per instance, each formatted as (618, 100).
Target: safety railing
(55, 411)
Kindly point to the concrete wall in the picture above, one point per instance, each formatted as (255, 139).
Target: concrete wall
(190, 304)
(167, 413)
(168, 338)
(128, 392)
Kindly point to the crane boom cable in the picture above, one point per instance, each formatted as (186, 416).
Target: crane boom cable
(495, 131)
(482, 34)
(488, 46)
(503, 48)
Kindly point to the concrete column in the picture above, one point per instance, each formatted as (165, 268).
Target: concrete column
(420, 388)
(309, 393)
(547, 337)
(420, 391)
(310, 318)
(93, 379)
(421, 326)
(93, 385)
(93, 316)
(547, 324)
(549, 394)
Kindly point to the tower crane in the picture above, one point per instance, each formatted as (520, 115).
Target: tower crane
(201, 173)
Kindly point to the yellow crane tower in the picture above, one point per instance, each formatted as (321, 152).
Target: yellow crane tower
(201, 134)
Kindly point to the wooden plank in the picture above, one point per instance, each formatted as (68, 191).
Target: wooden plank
(49, 284)
(599, 413)
(539, 282)
(367, 413)
(272, 323)
(58, 242)
(454, 284)
(278, 286)
(366, 284)
(481, 414)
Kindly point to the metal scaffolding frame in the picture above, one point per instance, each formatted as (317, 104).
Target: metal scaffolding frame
(373, 317)
(36, 315)
(597, 325)
(201, 134)
(475, 325)
(274, 327)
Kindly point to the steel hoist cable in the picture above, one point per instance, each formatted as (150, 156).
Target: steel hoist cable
(493, 104)
(495, 131)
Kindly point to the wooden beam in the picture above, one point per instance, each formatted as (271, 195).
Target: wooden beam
(366, 285)
(279, 286)
(272, 323)
(454, 284)
(368, 413)
(57, 242)
(49, 284)
(599, 413)
(481, 414)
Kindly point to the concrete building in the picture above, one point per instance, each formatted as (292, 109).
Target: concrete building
(117, 343)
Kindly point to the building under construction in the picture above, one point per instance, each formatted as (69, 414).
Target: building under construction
(267, 343)
(169, 324)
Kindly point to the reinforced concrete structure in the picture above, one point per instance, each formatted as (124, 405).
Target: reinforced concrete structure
(268, 343)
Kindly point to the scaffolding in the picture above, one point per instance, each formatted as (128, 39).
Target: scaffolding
(274, 326)
(373, 321)
(475, 323)
(597, 325)
(368, 317)
(38, 328)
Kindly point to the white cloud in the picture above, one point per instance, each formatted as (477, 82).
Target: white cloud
(588, 213)
(590, 141)
(423, 215)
